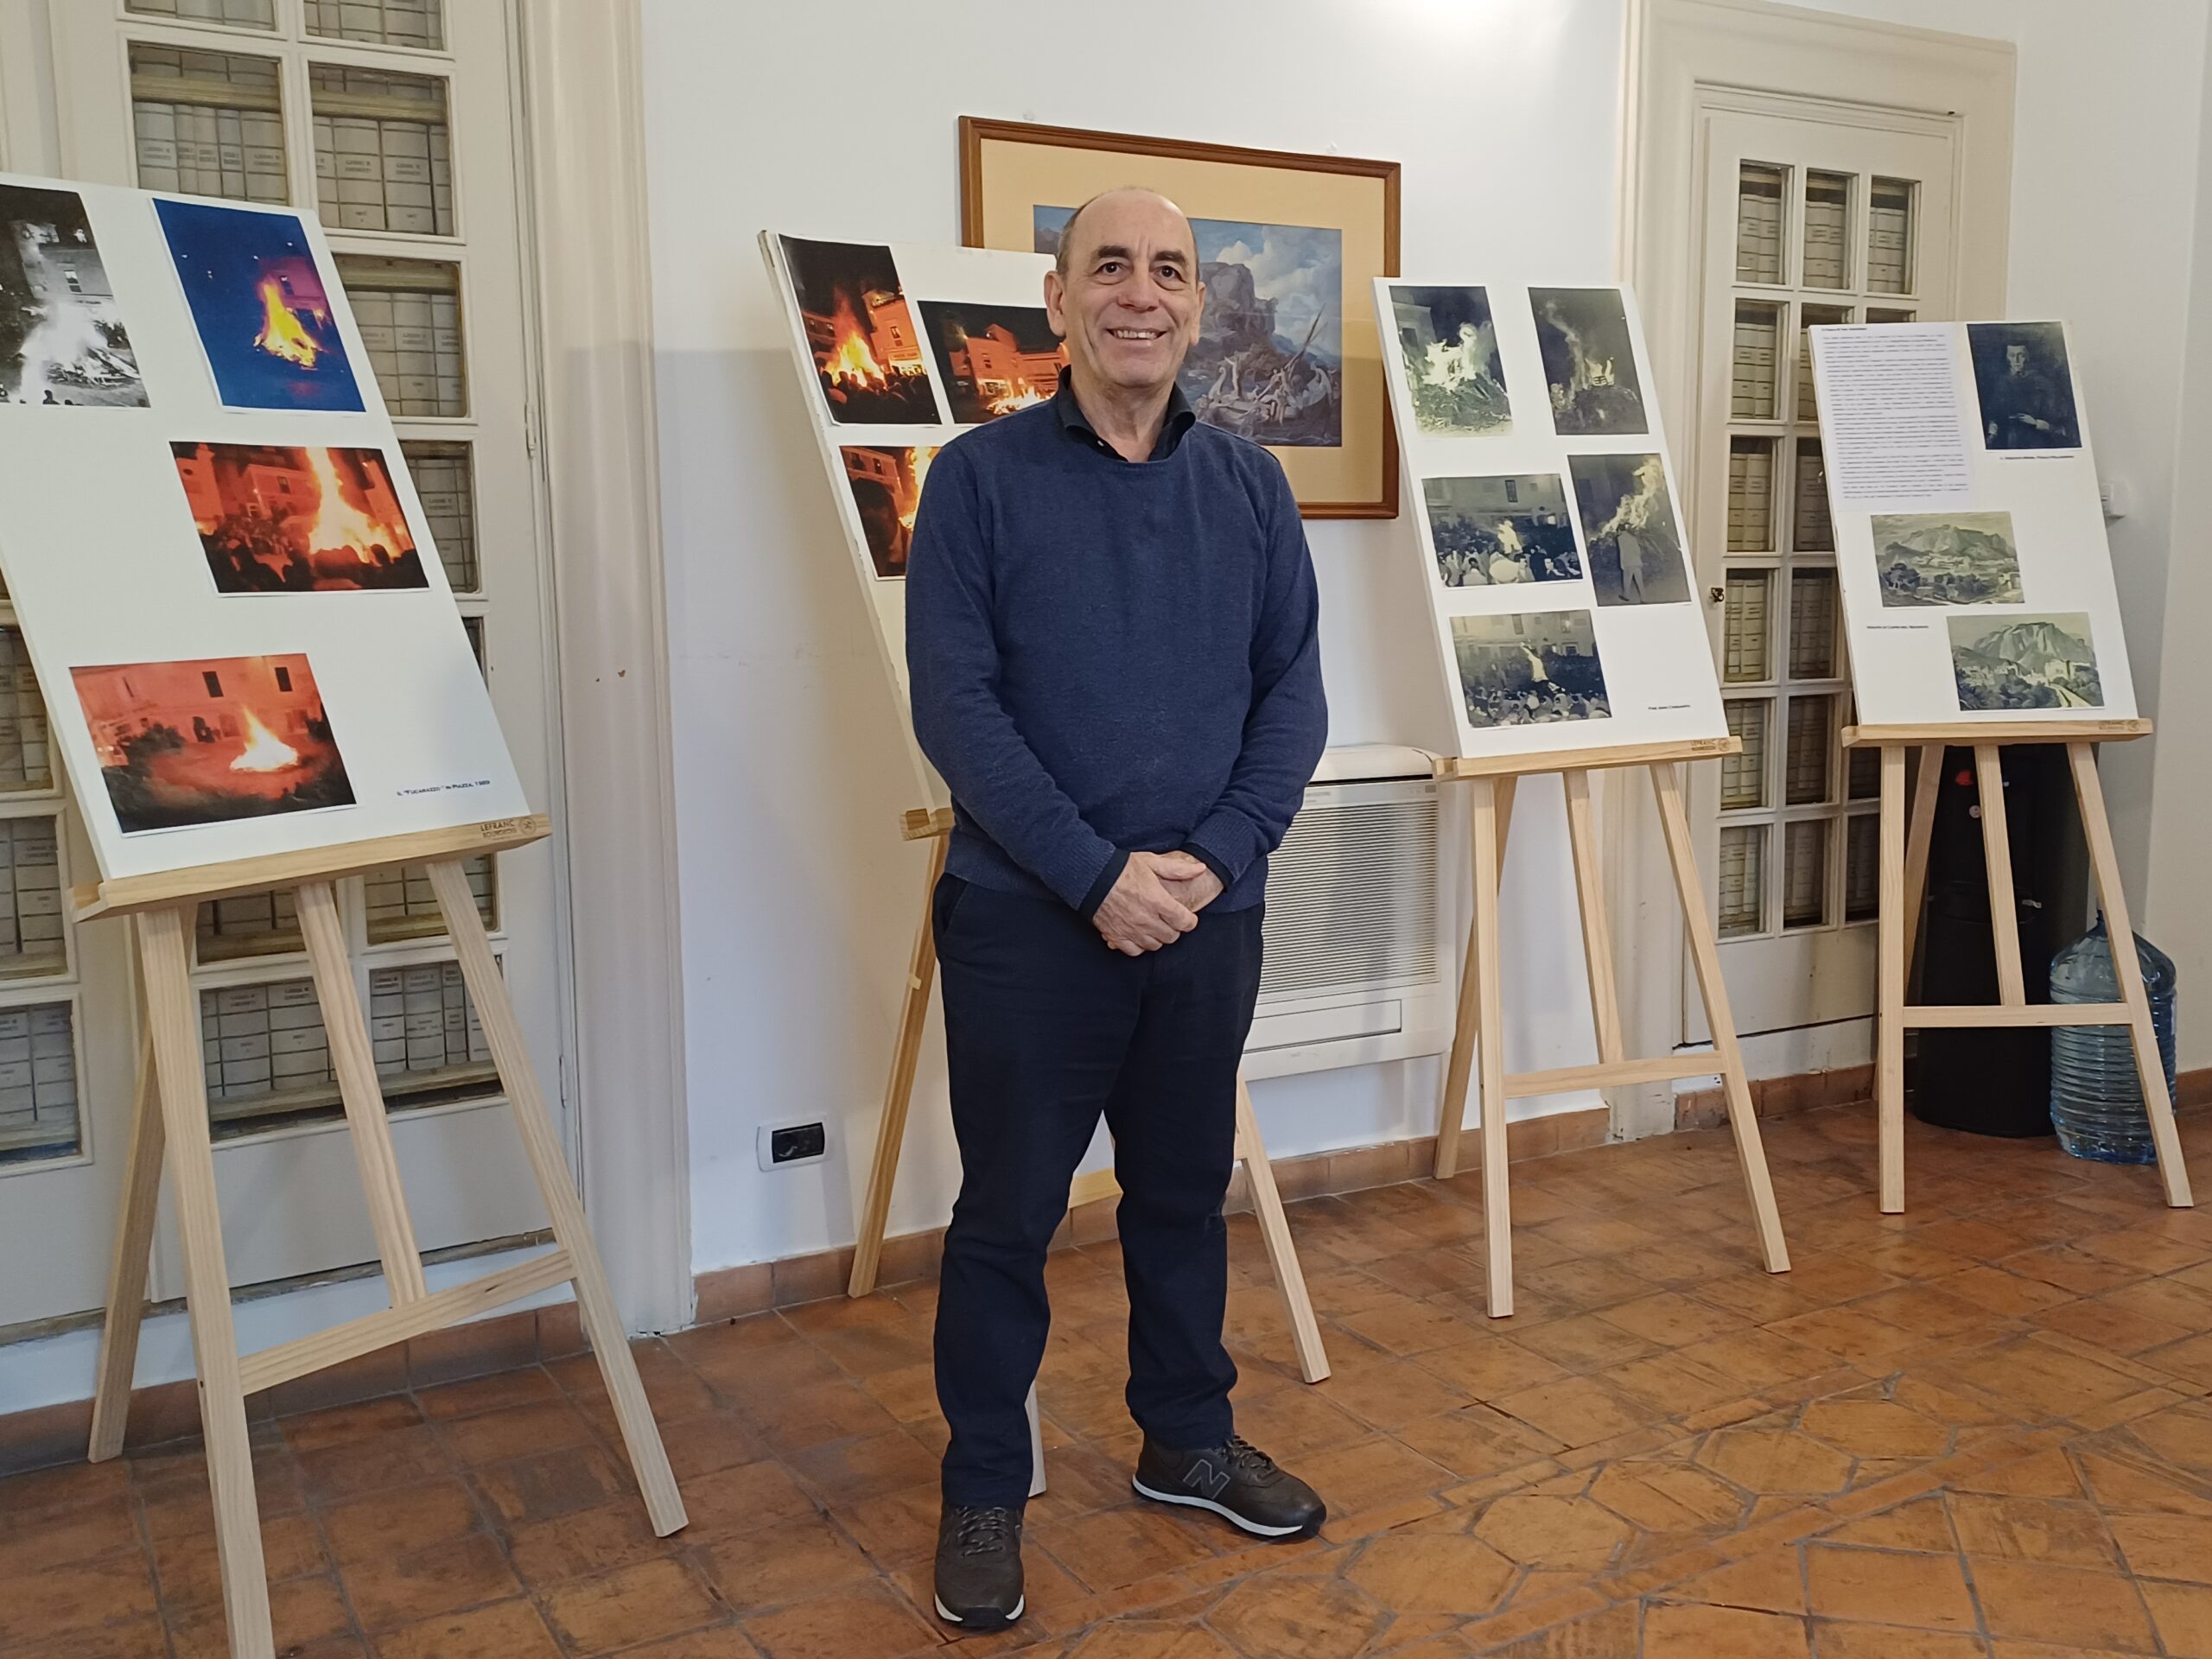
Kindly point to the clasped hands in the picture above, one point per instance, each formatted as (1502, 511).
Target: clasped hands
(1156, 902)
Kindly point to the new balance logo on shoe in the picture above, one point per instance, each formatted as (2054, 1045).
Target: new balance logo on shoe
(1203, 1477)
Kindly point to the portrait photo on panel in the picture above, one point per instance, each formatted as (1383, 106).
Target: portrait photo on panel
(2025, 385)
(1589, 362)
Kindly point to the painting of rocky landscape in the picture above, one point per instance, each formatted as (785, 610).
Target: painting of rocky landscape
(1946, 558)
(2044, 661)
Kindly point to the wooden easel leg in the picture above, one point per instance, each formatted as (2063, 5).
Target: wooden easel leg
(1997, 853)
(1891, 928)
(354, 1063)
(1490, 1043)
(602, 1323)
(173, 1019)
(1452, 1117)
(1036, 1444)
(134, 1245)
(1920, 835)
(899, 1091)
(1597, 936)
(1282, 1251)
(1705, 956)
(2150, 1068)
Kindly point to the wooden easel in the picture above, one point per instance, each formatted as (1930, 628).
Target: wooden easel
(1904, 881)
(171, 1128)
(1480, 1028)
(936, 827)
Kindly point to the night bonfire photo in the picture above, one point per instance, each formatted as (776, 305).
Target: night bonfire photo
(259, 302)
(279, 520)
(182, 744)
(860, 329)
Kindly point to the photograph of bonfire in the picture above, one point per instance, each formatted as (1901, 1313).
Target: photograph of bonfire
(995, 359)
(182, 744)
(887, 485)
(61, 335)
(860, 329)
(259, 302)
(275, 519)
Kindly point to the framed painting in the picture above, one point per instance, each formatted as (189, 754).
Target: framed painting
(1290, 246)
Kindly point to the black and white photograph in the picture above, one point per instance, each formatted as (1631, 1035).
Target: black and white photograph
(2024, 385)
(1629, 527)
(1529, 668)
(61, 335)
(1490, 531)
(2038, 661)
(1449, 346)
(1589, 362)
(1946, 558)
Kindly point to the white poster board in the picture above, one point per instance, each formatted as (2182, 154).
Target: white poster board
(900, 347)
(1547, 518)
(238, 620)
(1969, 537)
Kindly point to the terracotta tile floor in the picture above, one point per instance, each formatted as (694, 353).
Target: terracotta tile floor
(1980, 1428)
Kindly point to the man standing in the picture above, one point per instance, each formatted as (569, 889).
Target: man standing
(1111, 636)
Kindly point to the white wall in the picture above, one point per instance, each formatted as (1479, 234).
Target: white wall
(799, 899)
(2179, 915)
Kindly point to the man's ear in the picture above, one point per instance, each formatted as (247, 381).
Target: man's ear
(1056, 292)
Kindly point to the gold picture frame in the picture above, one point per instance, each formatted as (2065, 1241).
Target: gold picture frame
(1325, 216)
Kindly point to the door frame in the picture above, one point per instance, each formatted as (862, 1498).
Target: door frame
(580, 116)
(1679, 56)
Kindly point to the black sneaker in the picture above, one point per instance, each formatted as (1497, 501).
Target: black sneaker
(979, 1566)
(1236, 1480)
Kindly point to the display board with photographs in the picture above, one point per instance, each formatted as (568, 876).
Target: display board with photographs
(1551, 547)
(1970, 539)
(223, 573)
(901, 348)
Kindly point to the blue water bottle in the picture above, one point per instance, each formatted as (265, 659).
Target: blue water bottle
(2096, 1097)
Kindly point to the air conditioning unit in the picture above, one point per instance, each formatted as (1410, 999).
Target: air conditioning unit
(1360, 961)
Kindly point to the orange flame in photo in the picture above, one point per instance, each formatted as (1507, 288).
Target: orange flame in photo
(849, 358)
(282, 334)
(264, 751)
(338, 522)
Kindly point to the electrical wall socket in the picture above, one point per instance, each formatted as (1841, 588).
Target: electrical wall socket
(782, 1146)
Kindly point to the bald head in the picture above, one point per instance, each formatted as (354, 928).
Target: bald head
(1125, 295)
(1130, 194)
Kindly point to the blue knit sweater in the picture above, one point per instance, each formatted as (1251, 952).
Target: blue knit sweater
(1107, 656)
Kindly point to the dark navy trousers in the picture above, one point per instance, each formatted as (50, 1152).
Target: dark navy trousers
(1045, 1028)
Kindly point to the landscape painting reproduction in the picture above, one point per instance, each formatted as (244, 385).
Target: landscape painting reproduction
(1589, 363)
(1269, 361)
(276, 519)
(204, 743)
(61, 336)
(1529, 668)
(860, 330)
(1946, 558)
(1449, 347)
(2026, 662)
(259, 302)
(886, 486)
(2024, 385)
(1488, 531)
(1629, 525)
(994, 359)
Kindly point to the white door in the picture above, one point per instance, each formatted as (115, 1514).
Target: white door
(1812, 213)
(393, 119)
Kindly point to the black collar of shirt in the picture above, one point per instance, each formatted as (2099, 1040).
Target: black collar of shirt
(1178, 420)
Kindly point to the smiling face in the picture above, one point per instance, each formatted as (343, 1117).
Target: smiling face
(1128, 298)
